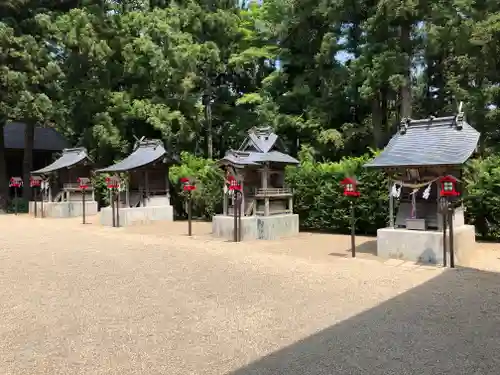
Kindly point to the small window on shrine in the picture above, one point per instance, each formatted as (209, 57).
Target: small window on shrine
(349, 187)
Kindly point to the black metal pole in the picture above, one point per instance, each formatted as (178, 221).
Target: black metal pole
(41, 203)
(235, 212)
(452, 249)
(190, 211)
(445, 224)
(117, 207)
(15, 199)
(240, 204)
(353, 231)
(34, 200)
(112, 198)
(83, 206)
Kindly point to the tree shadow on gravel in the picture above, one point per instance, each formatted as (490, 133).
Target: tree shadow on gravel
(449, 325)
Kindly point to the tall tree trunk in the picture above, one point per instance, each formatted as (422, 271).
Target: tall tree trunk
(207, 101)
(4, 186)
(29, 141)
(406, 97)
(377, 121)
(210, 136)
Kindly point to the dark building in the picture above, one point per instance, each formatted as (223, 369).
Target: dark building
(47, 142)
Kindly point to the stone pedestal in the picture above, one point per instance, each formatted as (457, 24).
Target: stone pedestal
(63, 209)
(257, 227)
(137, 215)
(425, 246)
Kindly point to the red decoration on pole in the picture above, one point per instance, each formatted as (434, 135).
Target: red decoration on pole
(84, 182)
(113, 182)
(350, 187)
(35, 181)
(448, 186)
(189, 186)
(16, 182)
(234, 185)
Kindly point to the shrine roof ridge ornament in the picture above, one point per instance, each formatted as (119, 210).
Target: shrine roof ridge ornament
(433, 141)
(261, 146)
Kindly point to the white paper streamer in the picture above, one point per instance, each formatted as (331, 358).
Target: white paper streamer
(427, 192)
(395, 191)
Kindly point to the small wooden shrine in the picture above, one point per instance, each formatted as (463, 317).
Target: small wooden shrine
(423, 157)
(61, 191)
(144, 185)
(258, 166)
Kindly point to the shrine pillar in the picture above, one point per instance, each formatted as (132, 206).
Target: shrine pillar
(264, 179)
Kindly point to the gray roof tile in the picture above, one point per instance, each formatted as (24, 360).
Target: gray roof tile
(45, 138)
(146, 152)
(69, 158)
(427, 142)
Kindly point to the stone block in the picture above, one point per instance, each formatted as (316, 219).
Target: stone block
(277, 226)
(137, 215)
(425, 246)
(63, 209)
(257, 227)
(223, 226)
(416, 224)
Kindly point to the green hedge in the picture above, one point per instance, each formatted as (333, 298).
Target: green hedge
(207, 198)
(482, 198)
(319, 198)
(22, 206)
(319, 201)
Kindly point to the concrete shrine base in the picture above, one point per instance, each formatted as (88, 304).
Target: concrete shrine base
(137, 215)
(425, 246)
(257, 227)
(63, 209)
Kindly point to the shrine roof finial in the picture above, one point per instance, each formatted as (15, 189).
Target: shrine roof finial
(258, 148)
(262, 139)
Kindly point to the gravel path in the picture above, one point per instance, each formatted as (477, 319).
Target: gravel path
(90, 300)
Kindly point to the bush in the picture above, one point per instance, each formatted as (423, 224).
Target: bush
(482, 196)
(101, 191)
(22, 206)
(207, 198)
(319, 198)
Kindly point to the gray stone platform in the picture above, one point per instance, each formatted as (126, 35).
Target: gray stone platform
(257, 227)
(137, 215)
(425, 246)
(63, 209)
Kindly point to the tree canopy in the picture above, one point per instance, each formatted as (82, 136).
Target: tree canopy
(337, 75)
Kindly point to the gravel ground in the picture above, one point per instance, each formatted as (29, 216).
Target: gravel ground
(90, 300)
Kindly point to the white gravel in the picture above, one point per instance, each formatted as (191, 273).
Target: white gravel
(90, 300)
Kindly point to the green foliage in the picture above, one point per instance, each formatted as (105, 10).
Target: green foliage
(207, 198)
(22, 206)
(482, 198)
(319, 199)
(101, 191)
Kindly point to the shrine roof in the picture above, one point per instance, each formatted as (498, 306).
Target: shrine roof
(429, 142)
(69, 158)
(261, 146)
(257, 158)
(146, 152)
